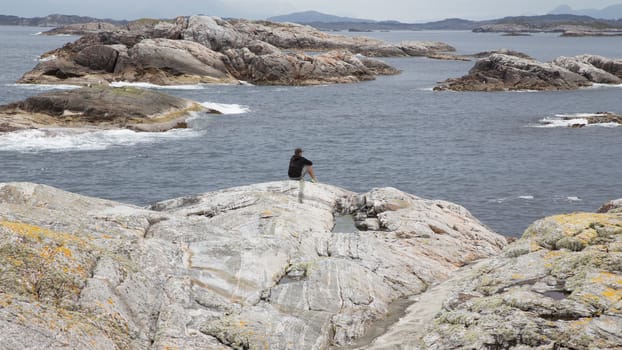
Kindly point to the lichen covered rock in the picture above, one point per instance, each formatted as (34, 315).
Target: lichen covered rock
(558, 287)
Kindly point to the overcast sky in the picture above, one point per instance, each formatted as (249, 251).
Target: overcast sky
(402, 10)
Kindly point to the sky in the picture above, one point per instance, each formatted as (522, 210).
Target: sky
(401, 10)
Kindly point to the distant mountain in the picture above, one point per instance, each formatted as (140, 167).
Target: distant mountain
(54, 20)
(609, 12)
(317, 17)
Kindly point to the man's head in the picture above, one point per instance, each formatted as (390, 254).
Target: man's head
(298, 152)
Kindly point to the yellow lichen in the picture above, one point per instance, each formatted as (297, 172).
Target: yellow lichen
(581, 323)
(578, 222)
(39, 233)
(518, 276)
(612, 294)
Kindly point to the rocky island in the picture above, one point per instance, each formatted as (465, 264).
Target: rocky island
(503, 72)
(202, 49)
(100, 107)
(253, 268)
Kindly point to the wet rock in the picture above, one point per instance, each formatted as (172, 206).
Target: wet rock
(247, 267)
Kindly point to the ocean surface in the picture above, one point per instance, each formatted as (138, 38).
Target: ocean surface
(485, 151)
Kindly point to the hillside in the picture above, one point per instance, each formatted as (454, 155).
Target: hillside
(609, 12)
(316, 17)
(53, 20)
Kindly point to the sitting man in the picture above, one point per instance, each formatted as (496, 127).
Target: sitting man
(300, 166)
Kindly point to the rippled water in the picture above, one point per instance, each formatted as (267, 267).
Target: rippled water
(481, 150)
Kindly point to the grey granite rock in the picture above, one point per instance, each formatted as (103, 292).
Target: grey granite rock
(243, 268)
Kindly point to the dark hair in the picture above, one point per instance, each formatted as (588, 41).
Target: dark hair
(298, 151)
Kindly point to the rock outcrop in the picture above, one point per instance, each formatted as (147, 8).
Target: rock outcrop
(614, 206)
(499, 72)
(243, 268)
(203, 49)
(558, 287)
(100, 107)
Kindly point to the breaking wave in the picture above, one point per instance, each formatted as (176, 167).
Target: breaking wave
(67, 139)
(226, 108)
(571, 120)
(44, 87)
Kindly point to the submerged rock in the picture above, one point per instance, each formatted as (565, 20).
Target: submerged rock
(558, 287)
(100, 107)
(243, 268)
(203, 49)
(501, 72)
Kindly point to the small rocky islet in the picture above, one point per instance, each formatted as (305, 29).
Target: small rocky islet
(512, 71)
(253, 268)
(100, 107)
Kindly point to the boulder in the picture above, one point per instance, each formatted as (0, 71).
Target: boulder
(243, 268)
(500, 72)
(558, 287)
(98, 57)
(100, 107)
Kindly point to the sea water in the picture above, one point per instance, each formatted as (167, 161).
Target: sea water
(485, 151)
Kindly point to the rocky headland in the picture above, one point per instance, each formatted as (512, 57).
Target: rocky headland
(100, 107)
(503, 72)
(202, 49)
(253, 268)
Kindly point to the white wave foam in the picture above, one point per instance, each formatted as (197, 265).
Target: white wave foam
(65, 139)
(154, 86)
(46, 59)
(525, 197)
(37, 33)
(226, 108)
(603, 86)
(561, 123)
(572, 120)
(580, 115)
(44, 87)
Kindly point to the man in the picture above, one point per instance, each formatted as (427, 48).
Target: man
(300, 166)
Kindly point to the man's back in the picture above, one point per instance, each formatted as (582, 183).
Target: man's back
(296, 164)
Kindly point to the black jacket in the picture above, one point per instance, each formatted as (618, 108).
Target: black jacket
(296, 164)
